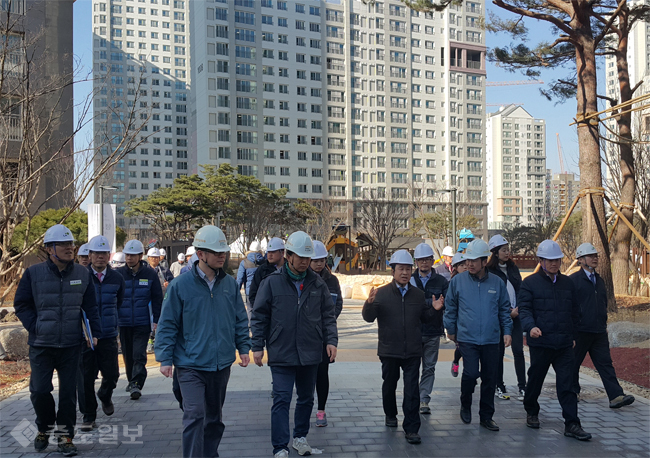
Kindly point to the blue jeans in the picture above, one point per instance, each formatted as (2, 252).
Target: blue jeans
(284, 379)
(204, 393)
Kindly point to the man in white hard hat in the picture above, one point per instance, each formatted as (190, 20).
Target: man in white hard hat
(592, 329)
(82, 255)
(274, 261)
(477, 314)
(163, 258)
(109, 291)
(550, 312)
(154, 258)
(400, 310)
(203, 322)
(118, 260)
(444, 268)
(176, 267)
(138, 315)
(247, 269)
(50, 301)
(191, 258)
(434, 286)
(292, 312)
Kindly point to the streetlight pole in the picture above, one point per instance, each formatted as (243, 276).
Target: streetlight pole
(453, 218)
(101, 206)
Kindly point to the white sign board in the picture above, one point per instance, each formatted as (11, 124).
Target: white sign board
(109, 223)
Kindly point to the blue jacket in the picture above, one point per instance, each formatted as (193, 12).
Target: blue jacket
(199, 328)
(477, 310)
(551, 307)
(140, 289)
(49, 302)
(247, 270)
(436, 286)
(109, 294)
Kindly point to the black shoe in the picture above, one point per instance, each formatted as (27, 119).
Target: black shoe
(135, 392)
(391, 421)
(87, 426)
(413, 438)
(532, 421)
(575, 430)
(66, 447)
(41, 441)
(623, 400)
(466, 415)
(108, 408)
(128, 387)
(490, 425)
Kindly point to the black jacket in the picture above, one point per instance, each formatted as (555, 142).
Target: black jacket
(514, 276)
(261, 273)
(293, 328)
(399, 320)
(552, 307)
(593, 302)
(141, 289)
(49, 303)
(436, 286)
(109, 294)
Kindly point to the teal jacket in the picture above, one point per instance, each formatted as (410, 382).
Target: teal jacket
(199, 328)
(477, 311)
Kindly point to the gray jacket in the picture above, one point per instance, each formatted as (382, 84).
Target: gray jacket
(291, 327)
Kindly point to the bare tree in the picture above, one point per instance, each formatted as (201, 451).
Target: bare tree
(37, 155)
(321, 226)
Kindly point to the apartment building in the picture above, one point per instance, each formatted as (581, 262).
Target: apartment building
(564, 189)
(333, 100)
(142, 66)
(516, 167)
(37, 72)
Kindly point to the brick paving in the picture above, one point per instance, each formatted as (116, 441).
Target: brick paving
(356, 420)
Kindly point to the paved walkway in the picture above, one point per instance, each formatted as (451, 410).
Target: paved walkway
(152, 425)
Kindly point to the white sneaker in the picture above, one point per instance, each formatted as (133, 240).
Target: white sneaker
(281, 454)
(301, 445)
(521, 395)
(501, 394)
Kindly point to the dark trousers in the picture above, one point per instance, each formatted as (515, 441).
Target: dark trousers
(176, 389)
(562, 360)
(43, 362)
(81, 397)
(134, 341)
(457, 355)
(517, 347)
(597, 344)
(102, 359)
(284, 379)
(323, 380)
(204, 393)
(390, 373)
(487, 356)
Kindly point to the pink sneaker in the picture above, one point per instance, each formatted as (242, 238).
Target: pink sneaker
(321, 419)
(454, 369)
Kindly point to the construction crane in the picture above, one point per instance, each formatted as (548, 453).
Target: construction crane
(503, 104)
(560, 153)
(512, 83)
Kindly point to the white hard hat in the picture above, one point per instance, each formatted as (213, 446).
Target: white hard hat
(448, 251)
(457, 259)
(423, 250)
(301, 244)
(275, 244)
(190, 251)
(477, 249)
(549, 249)
(320, 252)
(193, 259)
(211, 238)
(58, 233)
(163, 253)
(153, 253)
(119, 257)
(497, 241)
(181, 256)
(133, 247)
(401, 257)
(83, 250)
(255, 246)
(99, 243)
(585, 249)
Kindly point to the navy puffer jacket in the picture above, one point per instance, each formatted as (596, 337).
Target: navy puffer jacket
(141, 288)
(49, 303)
(550, 306)
(109, 294)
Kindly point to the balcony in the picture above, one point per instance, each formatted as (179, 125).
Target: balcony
(397, 105)
(400, 59)
(334, 18)
(473, 64)
(336, 130)
(396, 12)
(335, 146)
(335, 115)
(473, 9)
(398, 44)
(398, 28)
(334, 98)
(11, 128)
(337, 67)
(339, 83)
(340, 35)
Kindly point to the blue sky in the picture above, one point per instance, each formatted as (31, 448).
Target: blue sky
(558, 117)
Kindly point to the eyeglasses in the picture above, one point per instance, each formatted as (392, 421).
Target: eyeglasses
(65, 244)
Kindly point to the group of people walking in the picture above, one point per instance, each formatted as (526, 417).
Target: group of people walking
(292, 305)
